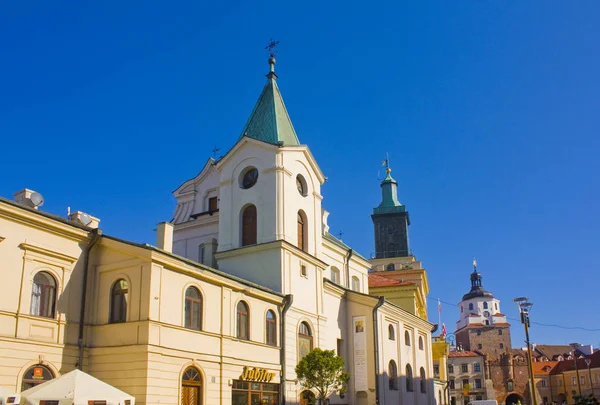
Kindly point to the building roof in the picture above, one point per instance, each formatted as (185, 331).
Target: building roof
(269, 121)
(376, 281)
(543, 367)
(464, 354)
(551, 352)
(569, 365)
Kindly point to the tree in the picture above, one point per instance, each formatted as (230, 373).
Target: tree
(323, 371)
(583, 400)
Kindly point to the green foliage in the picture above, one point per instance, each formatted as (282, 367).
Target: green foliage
(583, 400)
(323, 371)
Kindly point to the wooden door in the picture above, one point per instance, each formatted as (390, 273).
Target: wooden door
(190, 395)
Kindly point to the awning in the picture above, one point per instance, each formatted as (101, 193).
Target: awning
(76, 388)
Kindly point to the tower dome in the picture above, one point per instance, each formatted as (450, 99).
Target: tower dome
(476, 287)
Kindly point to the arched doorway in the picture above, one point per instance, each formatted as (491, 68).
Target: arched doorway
(191, 387)
(307, 398)
(36, 375)
(562, 399)
(514, 399)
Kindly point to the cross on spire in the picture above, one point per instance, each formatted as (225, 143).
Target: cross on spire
(214, 151)
(340, 234)
(272, 44)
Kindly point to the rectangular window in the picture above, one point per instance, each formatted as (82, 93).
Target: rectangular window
(436, 370)
(94, 403)
(499, 331)
(560, 383)
(543, 382)
(465, 383)
(573, 380)
(450, 368)
(479, 346)
(582, 379)
(213, 204)
(303, 270)
(45, 402)
(545, 400)
(476, 367)
(452, 384)
(464, 368)
(255, 393)
(340, 347)
(478, 332)
(477, 383)
(478, 397)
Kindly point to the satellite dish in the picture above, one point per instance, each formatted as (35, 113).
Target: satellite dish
(85, 219)
(36, 199)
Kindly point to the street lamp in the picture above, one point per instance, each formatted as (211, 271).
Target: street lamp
(588, 361)
(524, 307)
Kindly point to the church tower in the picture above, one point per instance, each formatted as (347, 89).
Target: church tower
(482, 326)
(391, 221)
(395, 273)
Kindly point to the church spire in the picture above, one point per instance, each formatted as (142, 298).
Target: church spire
(270, 121)
(389, 193)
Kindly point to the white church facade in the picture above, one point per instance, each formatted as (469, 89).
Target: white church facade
(244, 281)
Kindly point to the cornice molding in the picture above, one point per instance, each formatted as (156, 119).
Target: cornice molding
(47, 252)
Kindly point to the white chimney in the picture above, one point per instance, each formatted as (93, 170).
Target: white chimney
(84, 219)
(29, 198)
(164, 236)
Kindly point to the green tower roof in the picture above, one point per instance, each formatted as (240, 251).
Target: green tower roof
(269, 121)
(389, 196)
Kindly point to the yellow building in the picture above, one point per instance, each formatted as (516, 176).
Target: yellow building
(159, 327)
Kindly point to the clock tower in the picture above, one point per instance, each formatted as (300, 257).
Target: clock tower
(391, 221)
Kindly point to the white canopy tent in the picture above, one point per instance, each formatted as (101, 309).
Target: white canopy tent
(76, 388)
(4, 393)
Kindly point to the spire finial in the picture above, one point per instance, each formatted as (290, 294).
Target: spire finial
(386, 164)
(474, 265)
(272, 44)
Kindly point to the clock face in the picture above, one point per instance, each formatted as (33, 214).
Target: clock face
(486, 314)
(250, 178)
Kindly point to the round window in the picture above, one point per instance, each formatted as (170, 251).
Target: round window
(249, 178)
(301, 185)
(486, 314)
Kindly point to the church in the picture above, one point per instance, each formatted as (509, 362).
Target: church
(243, 282)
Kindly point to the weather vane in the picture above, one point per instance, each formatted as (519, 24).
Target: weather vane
(272, 44)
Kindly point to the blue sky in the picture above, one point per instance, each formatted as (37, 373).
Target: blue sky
(489, 111)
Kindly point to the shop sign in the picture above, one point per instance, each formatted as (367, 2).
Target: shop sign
(256, 374)
(38, 373)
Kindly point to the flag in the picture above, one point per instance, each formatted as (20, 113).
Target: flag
(443, 330)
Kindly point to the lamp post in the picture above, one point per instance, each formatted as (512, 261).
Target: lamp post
(524, 307)
(588, 362)
(577, 372)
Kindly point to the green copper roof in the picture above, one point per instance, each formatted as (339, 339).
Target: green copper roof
(389, 197)
(269, 121)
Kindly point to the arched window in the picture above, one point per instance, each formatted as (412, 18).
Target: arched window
(391, 332)
(36, 375)
(393, 375)
(43, 295)
(243, 321)
(423, 381)
(271, 328)
(335, 275)
(470, 307)
(485, 305)
(409, 378)
(191, 384)
(249, 225)
(301, 185)
(119, 295)
(461, 309)
(305, 340)
(407, 338)
(301, 231)
(496, 305)
(420, 343)
(193, 309)
(390, 267)
(355, 283)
